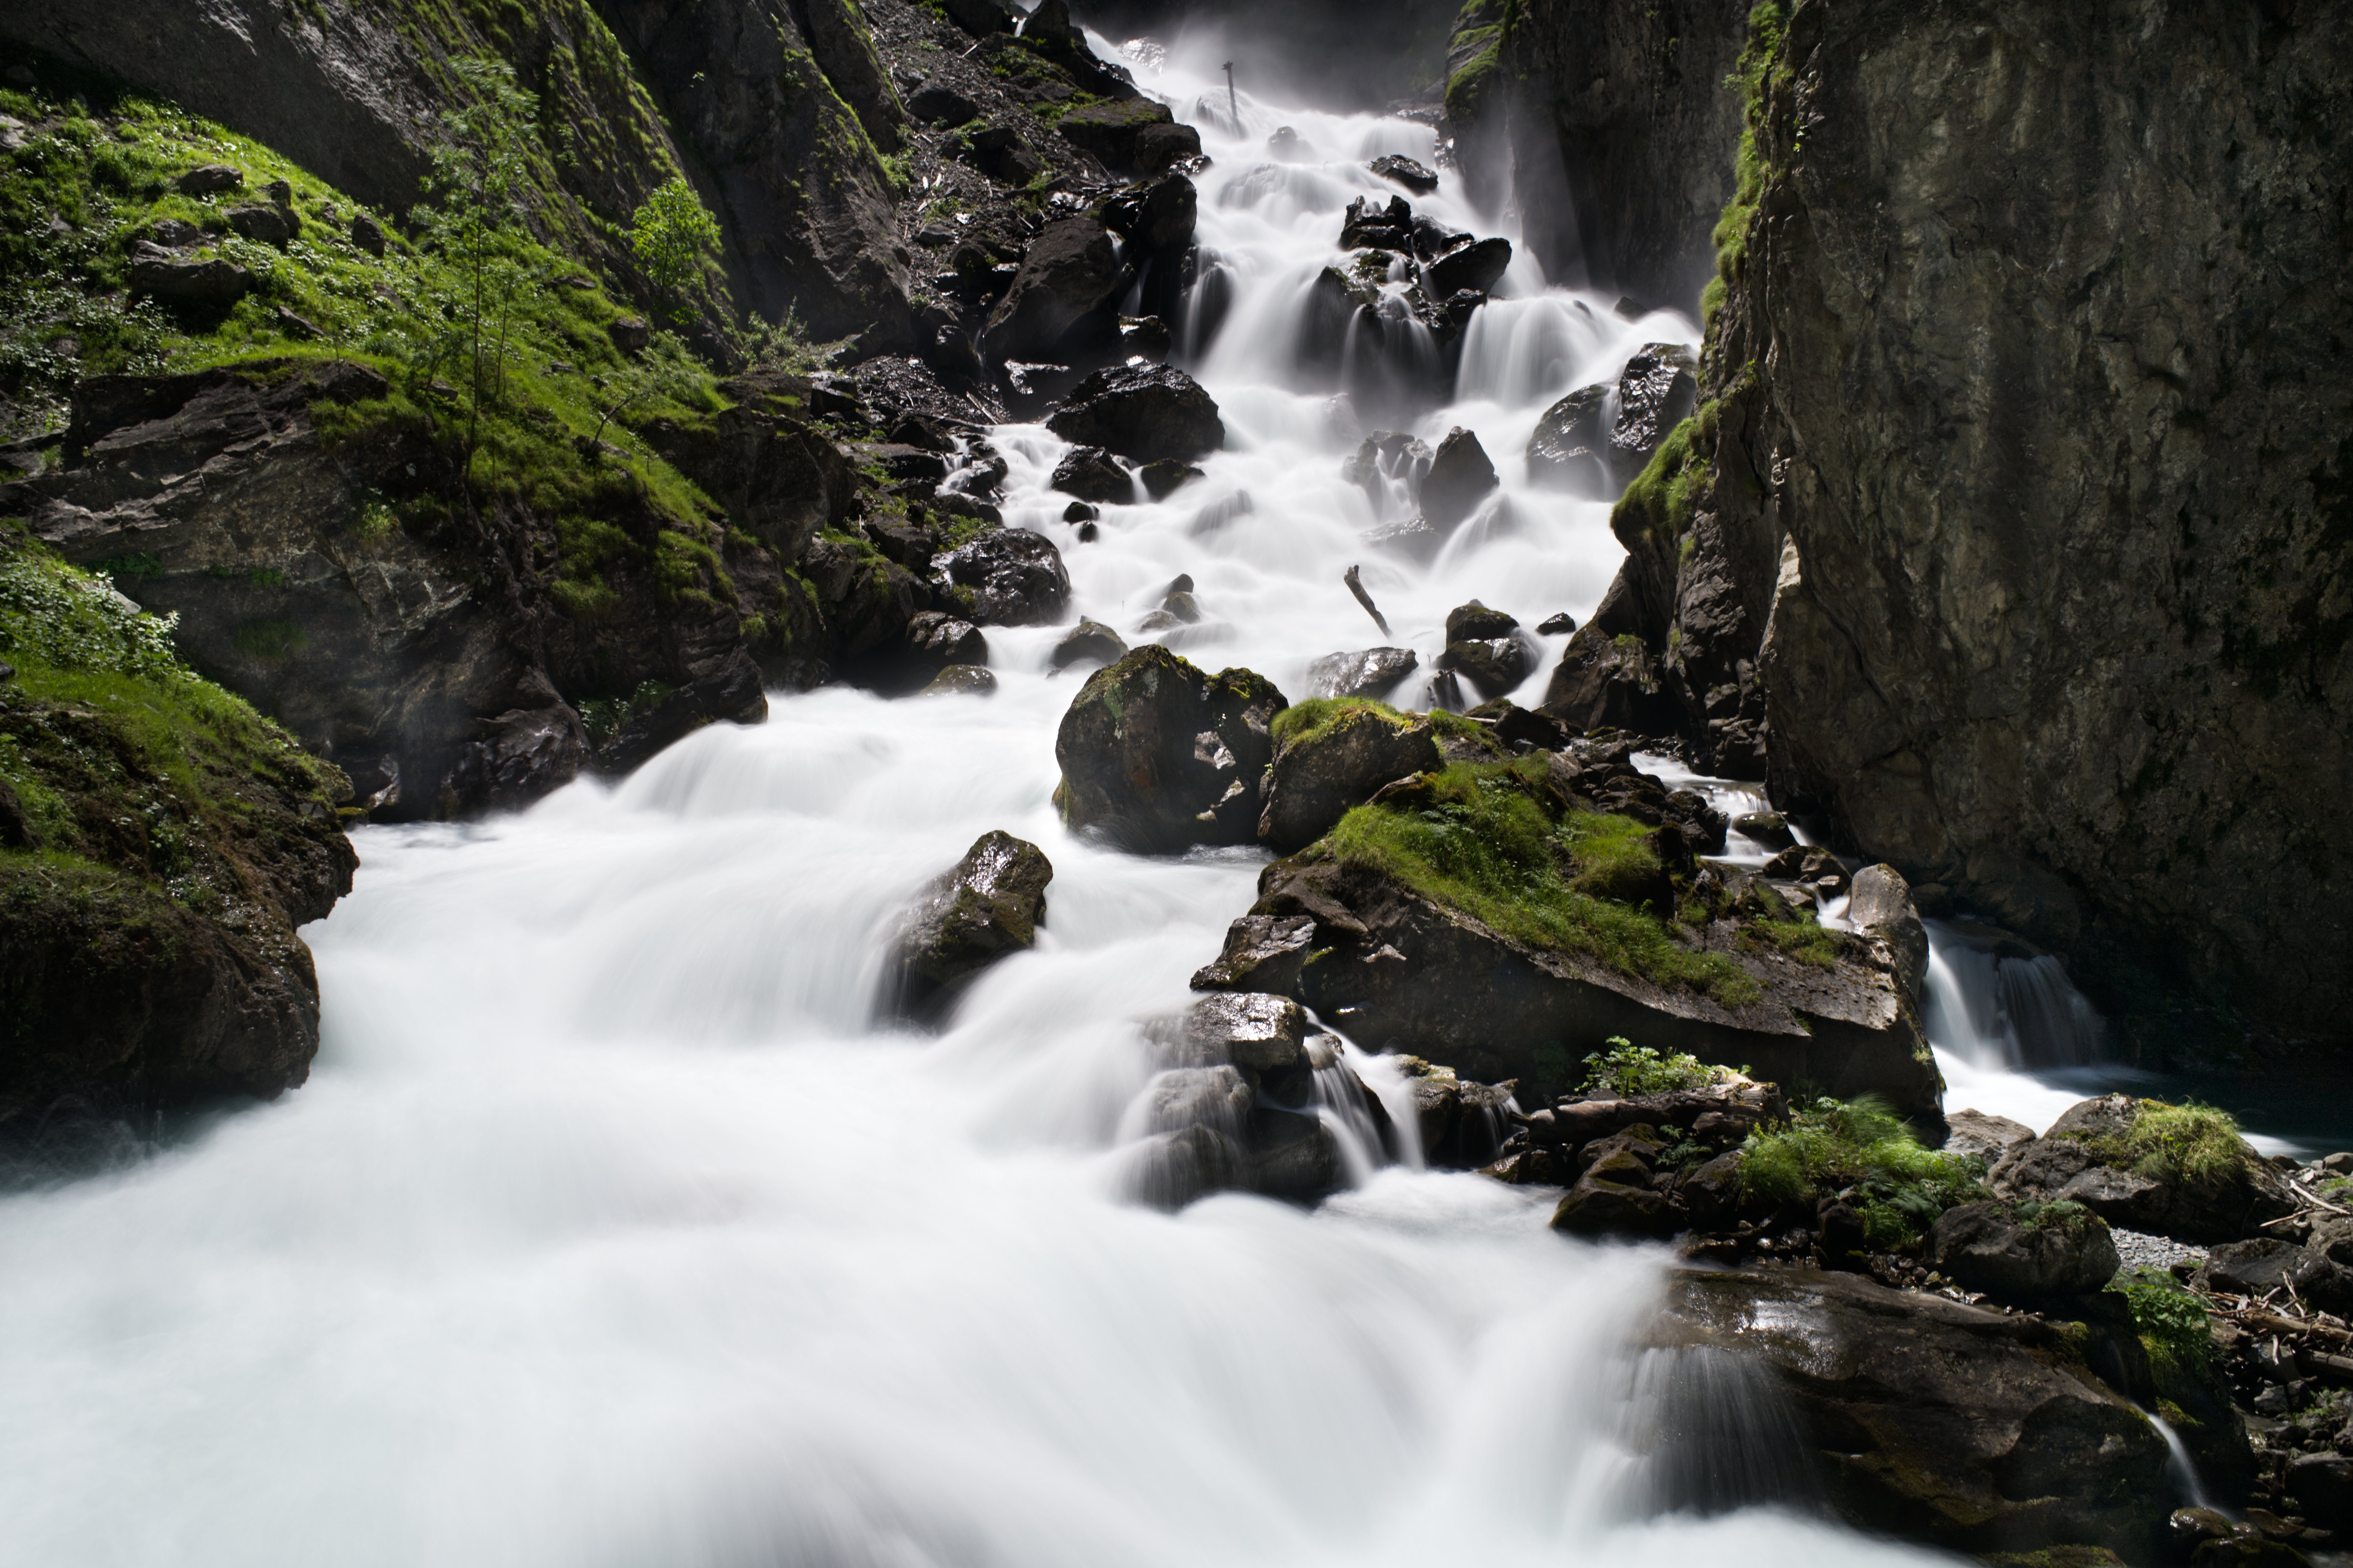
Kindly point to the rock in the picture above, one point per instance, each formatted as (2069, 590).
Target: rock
(732, 693)
(1319, 773)
(1404, 171)
(210, 179)
(1492, 666)
(1136, 135)
(1614, 1194)
(1986, 1136)
(1476, 266)
(214, 282)
(1411, 538)
(1569, 449)
(1068, 274)
(1556, 625)
(1368, 223)
(937, 103)
(1165, 478)
(2255, 1269)
(367, 233)
(1606, 682)
(263, 223)
(1158, 756)
(1459, 478)
(1287, 146)
(1461, 1124)
(1144, 413)
(1010, 576)
(1183, 608)
(2023, 1258)
(1159, 215)
(1261, 953)
(962, 680)
(982, 19)
(1090, 641)
(936, 640)
(1373, 672)
(1385, 457)
(1092, 473)
(2083, 1158)
(2322, 1485)
(1880, 901)
(630, 334)
(986, 906)
(1932, 1421)
(1656, 392)
(1080, 512)
(1770, 829)
(1476, 621)
(514, 757)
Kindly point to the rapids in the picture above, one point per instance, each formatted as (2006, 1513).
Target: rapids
(610, 1229)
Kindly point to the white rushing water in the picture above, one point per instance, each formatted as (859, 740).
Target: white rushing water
(610, 1230)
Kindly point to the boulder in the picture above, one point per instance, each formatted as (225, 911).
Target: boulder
(1405, 172)
(2258, 1267)
(2322, 1486)
(1144, 413)
(1656, 392)
(1560, 623)
(514, 757)
(1934, 1422)
(214, 282)
(1320, 771)
(730, 693)
(1880, 901)
(210, 179)
(937, 103)
(1476, 621)
(2021, 1254)
(1134, 135)
(1369, 223)
(367, 233)
(1158, 756)
(1373, 673)
(1088, 642)
(1092, 473)
(936, 639)
(1008, 577)
(1461, 1124)
(1165, 478)
(1770, 829)
(1158, 216)
(1606, 682)
(1985, 1136)
(1388, 456)
(1476, 266)
(1459, 478)
(1263, 953)
(263, 223)
(1069, 272)
(1493, 665)
(1569, 449)
(987, 906)
(1615, 1194)
(962, 680)
(2086, 1157)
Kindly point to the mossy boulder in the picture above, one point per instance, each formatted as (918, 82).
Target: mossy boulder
(2027, 1254)
(1158, 756)
(985, 907)
(1332, 755)
(2178, 1171)
(1136, 136)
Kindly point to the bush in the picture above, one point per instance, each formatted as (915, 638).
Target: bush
(1897, 1187)
(1629, 1071)
(2171, 1321)
(2192, 1142)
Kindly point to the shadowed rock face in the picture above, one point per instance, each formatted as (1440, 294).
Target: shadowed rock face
(1158, 756)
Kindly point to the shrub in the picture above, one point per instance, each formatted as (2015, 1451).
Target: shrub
(1898, 1187)
(1629, 1071)
(2171, 1321)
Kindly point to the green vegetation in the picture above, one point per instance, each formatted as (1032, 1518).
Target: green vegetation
(1308, 720)
(2189, 1142)
(1831, 1146)
(1495, 842)
(1760, 64)
(1484, 29)
(1661, 500)
(1629, 1071)
(2171, 1321)
(675, 237)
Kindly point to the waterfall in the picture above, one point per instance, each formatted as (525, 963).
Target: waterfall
(1713, 1432)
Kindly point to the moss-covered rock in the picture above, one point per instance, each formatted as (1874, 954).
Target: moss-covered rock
(1158, 756)
(987, 906)
(2178, 1171)
(1332, 754)
(163, 842)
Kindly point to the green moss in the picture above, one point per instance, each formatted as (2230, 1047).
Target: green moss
(1307, 720)
(1806, 939)
(1467, 88)
(1760, 64)
(1663, 500)
(1489, 840)
(1830, 1146)
(2174, 1143)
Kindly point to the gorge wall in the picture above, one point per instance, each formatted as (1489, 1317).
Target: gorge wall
(2018, 500)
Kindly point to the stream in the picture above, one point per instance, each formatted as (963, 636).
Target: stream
(612, 1229)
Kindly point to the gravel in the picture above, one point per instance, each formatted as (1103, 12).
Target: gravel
(2138, 1249)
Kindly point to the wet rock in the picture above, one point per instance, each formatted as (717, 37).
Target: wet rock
(1386, 456)
(1165, 478)
(1936, 1422)
(1010, 576)
(1144, 413)
(1090, 641)
(1373, 672)
(937, 103)
(1404, 171)
(962, 680)
(2322, 1485)
(2024, 1256)
(1657, 391)
(1369, 224)
(1092, 473)
(1263, 953)
(1069, 273)
(986, 906)
(2086, 1157)
(937, 640)
(1182, 606)
(1476, 266)
(1081, 512)
(210, 179)
(732, 693)
(214, 282)
(1156, 216)
(1459, 478)
(780, 480)
(1136, 135)
(1556, 625)
(1319, 773)
(1988, 1137)
(1569, 449)
(1463, 1124)
(1476, 621)
(1520, 727)
(516, 757)
(1770, 829)
(1157, 755)
(1606, 682)
(1493, 665)
(1288, 146)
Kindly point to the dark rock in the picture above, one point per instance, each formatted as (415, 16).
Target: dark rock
(1368, 223)
(214, 282)
(1375, 672)
(1432, 239)
(1770, 829)
(1069, 272)
(1158, 756)
(962, 680)
(1090, 641)
(1657, 391)
(1614, 1194)
(982, 18)
(630, 334)
(1165, 478)
(936, 639)
(1493, 665)
(1080, 512)
(1092, 473)
(732, 693)
(1156, 216)
(367, 233)
(1606, 682)
(1879, 901)
(210, 179)
(1385, 456)
(1569, 449)
(1287, 146)
(1136, 135)
(2255, 1269)
(1317, 775)
(262, 223)
(1411, 538)
(2029, 1260)
(1182, 607)
(1476, 266)
(2081, 1157)
(1461, 1124)
(1145, 413)
(1261, 953)
(1556, 625)
(517, 757)
(1476, 621)
(1459, 478)
(2322, 1485)
(1404, 171)
(986, 906)
(937, 103)
(1013, 577)
(1001, 152)
(780, 480)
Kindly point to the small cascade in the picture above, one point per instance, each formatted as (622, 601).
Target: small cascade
(2013, 1011)
(1711, 1433)
(2180, 1467)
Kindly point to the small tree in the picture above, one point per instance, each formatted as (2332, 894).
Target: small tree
(480, 166)
(674, 234)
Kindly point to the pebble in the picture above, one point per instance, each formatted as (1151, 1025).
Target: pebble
(2138, 1249)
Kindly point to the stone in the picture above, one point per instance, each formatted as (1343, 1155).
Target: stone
(1369, 223)
(1569, 449)
(731, 693)
(1183, 608)
(1461, 1124)
(215, 282)
(514, 757)
(1157, 215)
(936, 639)
(1158, 756)
(2262, 1265)
(1011, 575)
(1165, 478)
(1090, 641)
(1493, 665)
(1388, 456)
(1137, 135)
(1318, 774)
(1656, 392)
(2068, 1162)
(210, 179)
(1475, 619)
(1477, 267)
(1615, 1195)
(1405, 172)
(982, 19)
(261, 223)
(1606, 682)
(937, 103)
(1092, 473)
(1768, 829)
(1081, 512)
(1412, 539)
(1880, 901)
(1459, 478)
(985, 907)
(630, 334)
(1556, 625)
(1144, 413)
(2020, 1257)
(1288, 146)
(962, 680)
(1261, 953)
(1982, 1134)
(2322, 1486)
(1069, 272)
(1373, 673)
(367, 233)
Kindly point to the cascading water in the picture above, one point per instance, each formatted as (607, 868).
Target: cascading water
(610, 1228)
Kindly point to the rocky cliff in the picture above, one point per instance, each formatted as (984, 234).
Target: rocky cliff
(2017, 499)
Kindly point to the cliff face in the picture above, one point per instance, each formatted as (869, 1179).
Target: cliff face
(2028, 430)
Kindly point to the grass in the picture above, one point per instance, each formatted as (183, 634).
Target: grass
(2170, 1143)
(1629, 1071)
(1309, 720)
(2172, 1322)
(1488, 838)
(1831, 1146)
(1760, 63)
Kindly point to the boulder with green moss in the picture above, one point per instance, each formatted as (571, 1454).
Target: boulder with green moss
(986, 907)
(161, 843)
(1491, 917)
(1158, 756)
(1330, 754)
(2178, 1171)
(2023, 1253)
